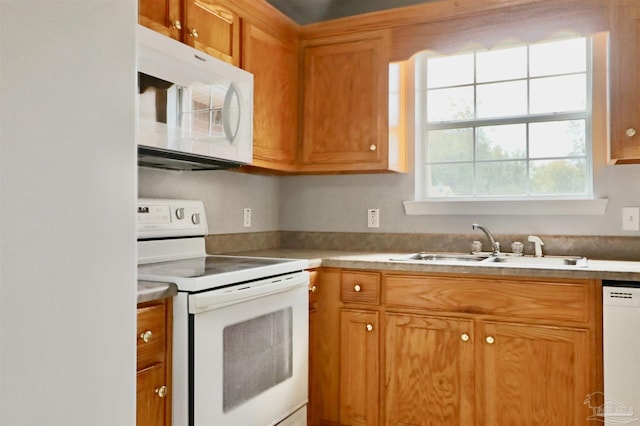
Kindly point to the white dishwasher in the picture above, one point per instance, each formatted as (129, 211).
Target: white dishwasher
(621, 334)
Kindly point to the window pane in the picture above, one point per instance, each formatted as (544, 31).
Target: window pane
(557, 139)
(450, 145)
(559, 94)
(453, 70)
(502, 99)
(502, 64)
(501, 142)
(450, 104)
(559, 57)
(501, 178)
(449, 180)
(553, 177)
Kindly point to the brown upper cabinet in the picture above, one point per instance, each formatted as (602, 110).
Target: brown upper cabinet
(624, 86)
(208, 25)
(163, 16)
(345, 103)
(273, 61)
(321, 96)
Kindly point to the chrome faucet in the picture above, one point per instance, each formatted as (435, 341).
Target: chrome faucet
(495, 246)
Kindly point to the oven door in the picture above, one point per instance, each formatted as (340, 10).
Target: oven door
(249, 352)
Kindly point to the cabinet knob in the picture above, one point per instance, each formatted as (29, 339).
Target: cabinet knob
(146, 336)
(161, 391)
(372, 147)
(193, 33)
(312, 289)
(357, 288)
(369, 327)
(177, 25)
(490, 340)
(631, 132)
(464, 337)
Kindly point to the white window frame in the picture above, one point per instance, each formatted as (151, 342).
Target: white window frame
(531, 205)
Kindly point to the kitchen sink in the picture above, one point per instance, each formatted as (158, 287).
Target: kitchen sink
(442, 257)
(577, 261)
(484, 258)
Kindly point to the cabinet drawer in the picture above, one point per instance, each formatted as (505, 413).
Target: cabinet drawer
(151, 335)
(360, 287)
(565, 300)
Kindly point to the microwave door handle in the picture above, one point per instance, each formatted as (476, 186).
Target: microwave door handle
(230, 132)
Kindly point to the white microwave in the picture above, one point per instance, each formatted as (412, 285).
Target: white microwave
(195, 112)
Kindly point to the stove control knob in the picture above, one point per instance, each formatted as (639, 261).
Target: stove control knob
(180, 213)
(195, 219)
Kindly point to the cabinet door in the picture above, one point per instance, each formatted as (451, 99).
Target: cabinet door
(359, 368)
(429, 375)
(535, 375)
(213, 28)
(624, 82)
(274, 65)
(163, 16)
(345, 107)
(326, 374)
(152, 392)
(312, 416)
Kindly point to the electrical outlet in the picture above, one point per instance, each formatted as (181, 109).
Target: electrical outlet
(247, 218)
(631, 218)
(373, 218)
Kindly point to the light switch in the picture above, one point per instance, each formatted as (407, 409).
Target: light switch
(631, 218)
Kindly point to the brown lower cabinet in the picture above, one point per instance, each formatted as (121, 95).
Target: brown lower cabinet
(153, 382)
(426, 349)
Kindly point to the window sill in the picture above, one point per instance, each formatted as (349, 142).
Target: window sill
(504, 207)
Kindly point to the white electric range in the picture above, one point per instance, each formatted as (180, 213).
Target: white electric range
(240, 338)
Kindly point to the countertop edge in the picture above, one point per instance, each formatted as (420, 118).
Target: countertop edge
(150, 290)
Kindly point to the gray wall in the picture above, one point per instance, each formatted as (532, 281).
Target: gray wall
(339, 203)
(225, 194)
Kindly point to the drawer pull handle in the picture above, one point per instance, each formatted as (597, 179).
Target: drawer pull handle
(161, 391)
(357, 288)
(193, 33)
(490, 340)
(369, 327)
(177, 25)
(313, 289)
(464, 337)
(146, 336)
(631, 132)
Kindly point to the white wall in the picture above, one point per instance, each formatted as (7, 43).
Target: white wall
(67, 216)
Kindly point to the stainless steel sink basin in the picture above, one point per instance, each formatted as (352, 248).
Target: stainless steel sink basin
(484, 258)
(442, 257)
(577, 261)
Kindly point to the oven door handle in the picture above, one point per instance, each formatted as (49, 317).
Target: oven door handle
(216, 299)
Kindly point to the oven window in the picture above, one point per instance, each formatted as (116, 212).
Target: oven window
(257, 356)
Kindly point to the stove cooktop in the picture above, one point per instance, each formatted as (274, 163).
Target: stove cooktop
(213, 271)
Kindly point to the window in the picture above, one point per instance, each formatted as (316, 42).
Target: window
(507, 123)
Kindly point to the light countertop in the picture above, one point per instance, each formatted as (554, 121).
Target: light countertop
(596, 269)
